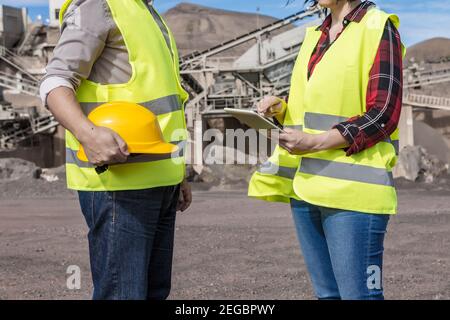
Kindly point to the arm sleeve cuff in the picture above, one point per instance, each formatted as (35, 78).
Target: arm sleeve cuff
(354, 136)
(50, 84)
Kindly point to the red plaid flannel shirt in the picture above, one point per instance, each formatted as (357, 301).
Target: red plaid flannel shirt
(384, 91)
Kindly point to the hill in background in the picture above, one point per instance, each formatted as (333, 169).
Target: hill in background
(197, 28)
(433, 50)
(435, 54)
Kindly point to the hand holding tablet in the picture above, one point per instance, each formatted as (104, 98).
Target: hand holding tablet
(254, 120)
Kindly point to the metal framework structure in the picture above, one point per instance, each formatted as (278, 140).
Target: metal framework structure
(193, 60)
(16, 126)
(424, 101)
(14, 61)
(216, 83)
(23, 127)
(19, 84)
(416, 77)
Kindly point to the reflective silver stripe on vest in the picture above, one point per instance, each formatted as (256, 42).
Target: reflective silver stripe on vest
(158, 107)
(71, 156)
(271, 168)
(294, 127)
(161, 26)
(345, 171)
(322, 122)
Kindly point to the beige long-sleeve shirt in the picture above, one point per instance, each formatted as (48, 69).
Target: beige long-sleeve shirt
(90, 47)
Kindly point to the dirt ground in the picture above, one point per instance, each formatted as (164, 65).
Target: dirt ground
(227, 247)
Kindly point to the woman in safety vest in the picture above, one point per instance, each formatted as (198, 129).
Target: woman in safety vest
(340, 145)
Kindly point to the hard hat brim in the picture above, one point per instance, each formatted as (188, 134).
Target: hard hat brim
(156, 148)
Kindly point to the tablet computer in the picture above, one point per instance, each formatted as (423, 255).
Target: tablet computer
(253, 119)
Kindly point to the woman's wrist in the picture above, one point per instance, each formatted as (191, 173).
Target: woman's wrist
(326, 141)
(316, 142)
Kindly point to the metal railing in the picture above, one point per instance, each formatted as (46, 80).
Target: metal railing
(22, 85)
(425, 101)
(426, 77)
(10, 138)
(16, 62)
(193, 60)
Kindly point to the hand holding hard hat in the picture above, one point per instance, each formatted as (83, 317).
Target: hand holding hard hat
(135, 124)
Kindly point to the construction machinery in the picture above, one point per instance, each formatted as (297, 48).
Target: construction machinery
(217, 82)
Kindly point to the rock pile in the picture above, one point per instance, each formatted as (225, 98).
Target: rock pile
(416, 164)
(12, 169)
(20, 178)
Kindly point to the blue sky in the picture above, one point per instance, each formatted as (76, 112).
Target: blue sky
(420, 19)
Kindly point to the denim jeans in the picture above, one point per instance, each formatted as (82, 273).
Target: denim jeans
(343, 251)
(131, 235)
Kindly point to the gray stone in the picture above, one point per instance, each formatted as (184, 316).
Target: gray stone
(415, 164)
(12, 169)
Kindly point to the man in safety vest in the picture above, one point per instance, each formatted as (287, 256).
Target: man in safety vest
(114, 51)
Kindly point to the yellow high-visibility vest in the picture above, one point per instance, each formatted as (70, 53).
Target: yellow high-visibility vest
(154, 84)
(335, 92)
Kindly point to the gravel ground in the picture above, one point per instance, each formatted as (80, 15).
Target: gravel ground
(227, 247)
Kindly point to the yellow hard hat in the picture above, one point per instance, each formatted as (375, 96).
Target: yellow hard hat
(135, 124)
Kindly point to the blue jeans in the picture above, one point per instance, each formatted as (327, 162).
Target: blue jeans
(343, 251)
(131, 235)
